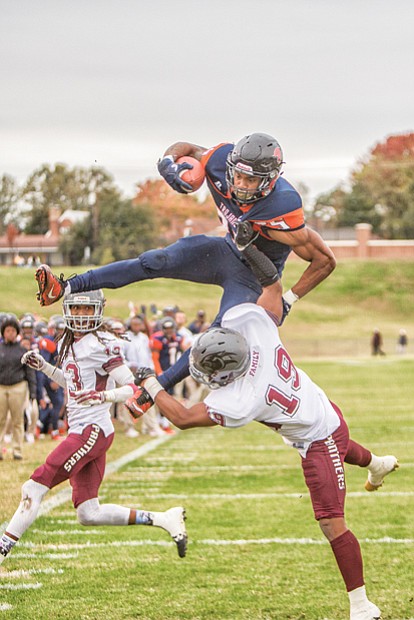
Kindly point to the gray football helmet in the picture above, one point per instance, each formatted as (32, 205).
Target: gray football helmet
(256, 155)
(218, 357)
(84, 323)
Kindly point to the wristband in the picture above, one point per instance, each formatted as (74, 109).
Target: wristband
(290, 297)
(152, 386)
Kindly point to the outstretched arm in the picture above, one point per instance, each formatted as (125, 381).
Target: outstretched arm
(179, 415)
(170, 407)
(310, 246)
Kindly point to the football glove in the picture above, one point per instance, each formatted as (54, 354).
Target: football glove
(244, 235)
(286, 310)
(139, 403)
(287, 305)
(170, 171)
(142, 374)
(33, 359)
(86, 398)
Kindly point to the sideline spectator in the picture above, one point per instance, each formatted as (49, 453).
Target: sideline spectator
(402, 342)
(199, 324)
(14, 379)
(376, 342)
(166, 346)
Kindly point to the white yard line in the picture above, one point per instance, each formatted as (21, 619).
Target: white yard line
(84, 546)
(233, 496)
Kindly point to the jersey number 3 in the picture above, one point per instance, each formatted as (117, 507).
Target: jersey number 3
(287, 402)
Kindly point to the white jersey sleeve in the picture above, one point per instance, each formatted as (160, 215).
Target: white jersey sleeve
(273, 391)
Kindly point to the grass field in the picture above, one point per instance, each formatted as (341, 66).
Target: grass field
(255, 550)
(336, 319)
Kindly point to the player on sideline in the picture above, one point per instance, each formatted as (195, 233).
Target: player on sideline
(91, 365)
(265, 220)
(252, 377)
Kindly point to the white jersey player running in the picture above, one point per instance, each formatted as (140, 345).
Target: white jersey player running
(92, 363)
(253, 378)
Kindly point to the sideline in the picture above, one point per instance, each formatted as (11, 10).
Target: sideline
(65, 494)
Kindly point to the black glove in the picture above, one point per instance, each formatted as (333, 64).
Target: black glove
(142, 374)
(244, 235)
(171, 171)
(286, 310)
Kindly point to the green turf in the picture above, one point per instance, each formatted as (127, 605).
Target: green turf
(239, 487)
(336, 319)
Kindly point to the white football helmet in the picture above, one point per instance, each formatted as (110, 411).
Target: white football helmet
(84, 322)
(218, 357)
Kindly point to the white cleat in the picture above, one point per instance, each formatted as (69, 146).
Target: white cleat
(376, 476)
(174, 524)
(368, 612)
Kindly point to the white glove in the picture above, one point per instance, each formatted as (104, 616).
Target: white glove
(34, 360)
(86, 398)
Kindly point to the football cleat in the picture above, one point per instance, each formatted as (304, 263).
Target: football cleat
(174, 523)
(51, 288)
(368, 612)
(139, 403)
(376, 475)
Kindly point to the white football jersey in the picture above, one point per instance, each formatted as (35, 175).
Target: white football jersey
(89, 370)
(273, 391)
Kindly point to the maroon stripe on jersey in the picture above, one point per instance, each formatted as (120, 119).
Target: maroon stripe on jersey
(113, 363)
(100, 382)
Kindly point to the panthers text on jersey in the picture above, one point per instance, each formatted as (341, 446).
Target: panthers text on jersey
(273, 391)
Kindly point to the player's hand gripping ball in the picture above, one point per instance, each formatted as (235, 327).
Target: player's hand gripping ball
(194, 176)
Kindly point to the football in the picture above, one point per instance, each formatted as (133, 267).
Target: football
(194, 177)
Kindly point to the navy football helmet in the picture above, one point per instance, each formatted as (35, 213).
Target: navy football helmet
(256, 155)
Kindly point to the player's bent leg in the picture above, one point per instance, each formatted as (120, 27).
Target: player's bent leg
(91, 512)
(191, 258)
(32, 495)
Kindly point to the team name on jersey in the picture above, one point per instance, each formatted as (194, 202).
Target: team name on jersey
(83, 450)
(227, 214)
(330, 443)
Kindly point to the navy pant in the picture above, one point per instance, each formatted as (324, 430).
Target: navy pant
(208, 260)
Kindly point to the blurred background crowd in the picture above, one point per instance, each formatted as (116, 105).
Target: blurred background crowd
(33, 407)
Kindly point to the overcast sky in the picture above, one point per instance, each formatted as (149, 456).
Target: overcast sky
(114, 82)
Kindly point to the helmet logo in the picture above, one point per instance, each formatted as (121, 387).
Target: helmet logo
(217, 361)
(247, 169)
(278, 153)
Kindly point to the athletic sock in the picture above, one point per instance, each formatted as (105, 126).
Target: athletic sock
(6, 545)
(143, 517)
(358, 597)
(374, 463)
(348, 556)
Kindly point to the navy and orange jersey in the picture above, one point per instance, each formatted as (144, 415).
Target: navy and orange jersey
(281, 210)
(165, 351)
